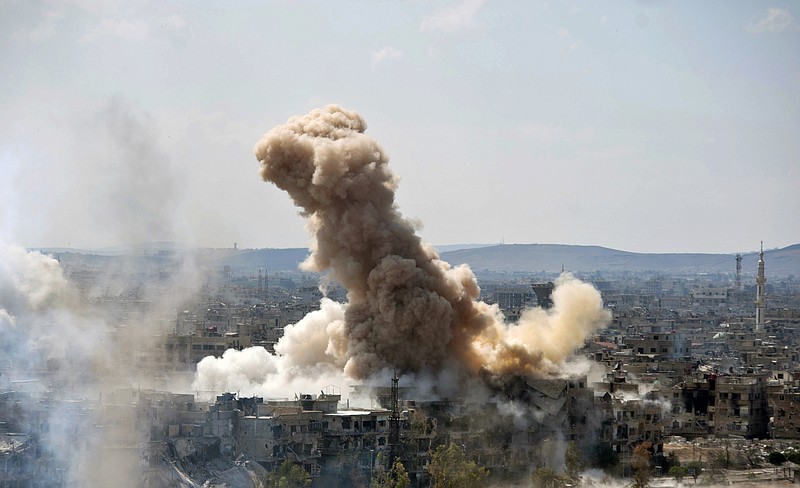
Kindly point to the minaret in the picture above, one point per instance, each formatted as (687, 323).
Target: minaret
(761, 299)
(738, 273)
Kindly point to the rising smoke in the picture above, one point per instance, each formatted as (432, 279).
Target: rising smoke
(406, 309)
(67, 347)
(54, 359)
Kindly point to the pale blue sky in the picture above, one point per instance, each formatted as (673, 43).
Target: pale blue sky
(643, 126)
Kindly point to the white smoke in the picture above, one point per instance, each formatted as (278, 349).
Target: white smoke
(58, 357)
(54, 358)
(29, 282)
(306, 359)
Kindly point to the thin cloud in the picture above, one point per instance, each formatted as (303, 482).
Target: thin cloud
(387, 53)
(568, 39)
(542, 133)
(46, 27)
(613, 153)
(132, 30)
(175, 21)
(547, 134)
(776, 20)
(452, 19)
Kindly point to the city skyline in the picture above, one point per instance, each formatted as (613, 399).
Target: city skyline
(643, 127)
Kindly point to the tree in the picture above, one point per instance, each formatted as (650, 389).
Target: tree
(719, 460)
(777, 458)
(695, 468)
(672, 460)
(793, 455)
(417, 423)
(397, 477)
(666, 462)
(450, 468)
(573, 462)
(546, 478)
(355, 467)
(640, 463)
(288, 475)
(604, 457)
(678, 472)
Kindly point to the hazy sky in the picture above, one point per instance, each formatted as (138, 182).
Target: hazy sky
(642, 126)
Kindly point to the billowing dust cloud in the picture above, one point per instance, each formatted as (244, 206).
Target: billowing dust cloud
(406, 308)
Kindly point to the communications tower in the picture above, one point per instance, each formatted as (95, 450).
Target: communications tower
(394, 421)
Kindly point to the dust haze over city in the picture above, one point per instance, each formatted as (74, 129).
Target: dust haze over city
(391, 244)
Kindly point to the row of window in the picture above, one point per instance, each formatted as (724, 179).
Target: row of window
(738, 396)
(208, 347)
(664, 350)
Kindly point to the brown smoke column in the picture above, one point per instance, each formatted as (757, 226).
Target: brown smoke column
(406, 309)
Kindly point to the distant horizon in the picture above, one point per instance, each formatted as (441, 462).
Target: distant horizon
(438, 247)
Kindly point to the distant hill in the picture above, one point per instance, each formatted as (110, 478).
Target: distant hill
(551, 257)
(440, 248)
(141, 249)
(269, 258)
(142, 255)
(503, 257)
(543, 257)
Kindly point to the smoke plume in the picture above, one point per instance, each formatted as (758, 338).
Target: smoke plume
(406, 308)
(71, 337)
(53, 361)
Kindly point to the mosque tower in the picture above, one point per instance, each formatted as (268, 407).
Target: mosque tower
(761, 299)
